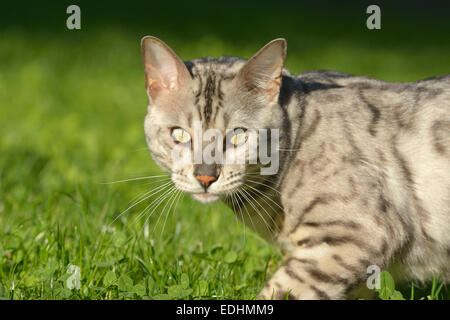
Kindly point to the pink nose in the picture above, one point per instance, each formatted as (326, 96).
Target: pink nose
(206, 180)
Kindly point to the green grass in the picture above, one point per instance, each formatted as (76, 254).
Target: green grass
(71, 116)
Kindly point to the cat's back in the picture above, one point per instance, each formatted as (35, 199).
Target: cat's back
(378, 140)
(399, 129)
(420, 108)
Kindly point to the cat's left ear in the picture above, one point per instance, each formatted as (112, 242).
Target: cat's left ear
(262, 73)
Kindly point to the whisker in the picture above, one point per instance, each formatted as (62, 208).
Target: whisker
(134, 179)
(175, 199)
(170, 196)
(178, 202)
(228, 196)
(154, 204)
(262, 193)
(245, 208)
(288, 150)
(250, 200)
(235, 196)
(266, 185)
(153, 182)
(233, 199)
(144, 193)
(156, 190)
(269, 215)
(172, 199)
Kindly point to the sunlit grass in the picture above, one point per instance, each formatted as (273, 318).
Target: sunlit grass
(71, 118)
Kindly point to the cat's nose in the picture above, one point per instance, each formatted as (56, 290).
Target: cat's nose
(206, 180)
(206, 174)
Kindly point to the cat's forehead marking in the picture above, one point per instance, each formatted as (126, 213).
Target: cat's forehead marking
(209, 92)
(209, 74)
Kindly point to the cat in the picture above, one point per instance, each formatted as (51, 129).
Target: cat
(364, 165)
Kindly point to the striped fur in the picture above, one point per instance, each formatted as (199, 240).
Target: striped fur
(364, 173)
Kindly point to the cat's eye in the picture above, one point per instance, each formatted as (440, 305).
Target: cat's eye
(237, 137)
(180, 135)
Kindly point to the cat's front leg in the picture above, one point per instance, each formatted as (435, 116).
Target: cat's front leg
(321, 277)
(324, 267)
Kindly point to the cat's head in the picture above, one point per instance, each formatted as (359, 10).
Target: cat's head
(233, 96)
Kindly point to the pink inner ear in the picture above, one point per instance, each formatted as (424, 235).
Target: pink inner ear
(273, 88)
(161, 66)
(267, 82)
(262, 73)
(159, 78)
(274, 84)
(166, 78)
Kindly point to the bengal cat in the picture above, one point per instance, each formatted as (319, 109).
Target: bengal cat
(364, 165)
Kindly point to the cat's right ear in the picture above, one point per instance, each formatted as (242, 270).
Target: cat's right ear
(165, 72)
(263, 72)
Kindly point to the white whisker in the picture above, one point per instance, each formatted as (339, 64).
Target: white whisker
(262, 193)
(143, 194)
(288, 150)
(250, 200)
(269, 215)
(263, 184)
(245, 208)
(134, 179)
(175, 199)
(154, 204)
(170, 196)
(235, 196)
(156, 190)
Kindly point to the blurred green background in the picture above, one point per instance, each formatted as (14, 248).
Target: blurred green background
(72, 104)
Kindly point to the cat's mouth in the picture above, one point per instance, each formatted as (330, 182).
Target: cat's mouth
(205, 197)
